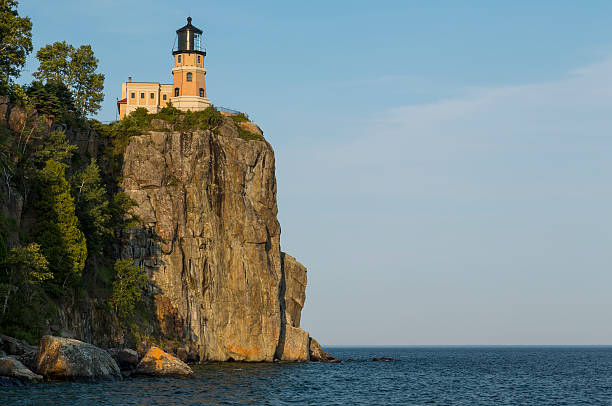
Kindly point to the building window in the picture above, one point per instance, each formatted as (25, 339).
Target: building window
(201, 92)
(176, 91)
(142, 95)
(133, 95)
(164, 96)
(189, 76)
(152, 95)
(179, 59)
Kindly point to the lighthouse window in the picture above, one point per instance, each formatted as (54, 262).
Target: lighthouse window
(189, 76)
(179, 59)
(197, 42)
(201, 92)
(198, 58)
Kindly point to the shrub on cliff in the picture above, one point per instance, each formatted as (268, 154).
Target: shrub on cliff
(128, 287)
(92, 207)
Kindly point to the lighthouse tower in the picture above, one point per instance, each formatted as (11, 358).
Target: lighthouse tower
(188, 88)
(189, 84)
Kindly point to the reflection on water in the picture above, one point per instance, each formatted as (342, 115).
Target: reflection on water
(436, 376)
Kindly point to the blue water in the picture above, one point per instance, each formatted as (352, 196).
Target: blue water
(420, 376)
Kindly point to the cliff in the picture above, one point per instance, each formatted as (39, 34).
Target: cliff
(210, 243)
(219, 287)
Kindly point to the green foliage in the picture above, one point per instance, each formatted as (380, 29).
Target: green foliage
(55, 147)
(249, 136)
(239, 118)
(169, 113)
(128, 287)
(76, 69)
(119, 207)
(52, 99)
(22, 274)
(209, 118)
(15, 40)
(92, 207)
(242, 132)
(57, 229)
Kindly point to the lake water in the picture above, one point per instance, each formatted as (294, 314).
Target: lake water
(420, 376)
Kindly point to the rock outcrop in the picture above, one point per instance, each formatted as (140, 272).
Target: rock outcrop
(317, 354)
(158, 363)
(210, 242)
(62, 359)
(12, 368)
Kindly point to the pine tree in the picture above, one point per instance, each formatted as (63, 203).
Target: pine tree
(57, 227)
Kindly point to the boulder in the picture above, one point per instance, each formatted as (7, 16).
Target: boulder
(126, 358)
(21, 350)
(317, 354)
(156, 362)
(64, 359)
(187, 354)
(12, 368)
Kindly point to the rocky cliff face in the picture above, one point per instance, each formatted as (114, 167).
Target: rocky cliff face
(210, 242)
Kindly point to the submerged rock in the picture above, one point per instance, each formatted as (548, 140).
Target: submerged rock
(63, 359)
(156, 362)
(386, 359)
(12, 368)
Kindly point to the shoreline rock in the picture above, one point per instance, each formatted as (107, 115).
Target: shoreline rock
(159, 363)
(126, 358)
(317, 354)
(67, 359)
(12, 368)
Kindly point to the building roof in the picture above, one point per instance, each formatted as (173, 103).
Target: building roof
(189, 27)
(122, 101)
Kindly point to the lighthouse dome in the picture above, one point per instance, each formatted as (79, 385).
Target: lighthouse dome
(189, 39)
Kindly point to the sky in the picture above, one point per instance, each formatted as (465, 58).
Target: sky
(443, 167)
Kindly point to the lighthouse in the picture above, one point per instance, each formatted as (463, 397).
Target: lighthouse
(188, 88)
(189, 73)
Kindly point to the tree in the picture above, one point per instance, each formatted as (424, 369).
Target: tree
(15, 39)
(23, 268)
(92, 207)
(128, 287)
(76, 69)
(53, 99)
(57, 227)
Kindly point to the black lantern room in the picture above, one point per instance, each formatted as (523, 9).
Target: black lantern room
(189, 39)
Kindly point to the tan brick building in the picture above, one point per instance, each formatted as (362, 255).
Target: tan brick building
(188, 88)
